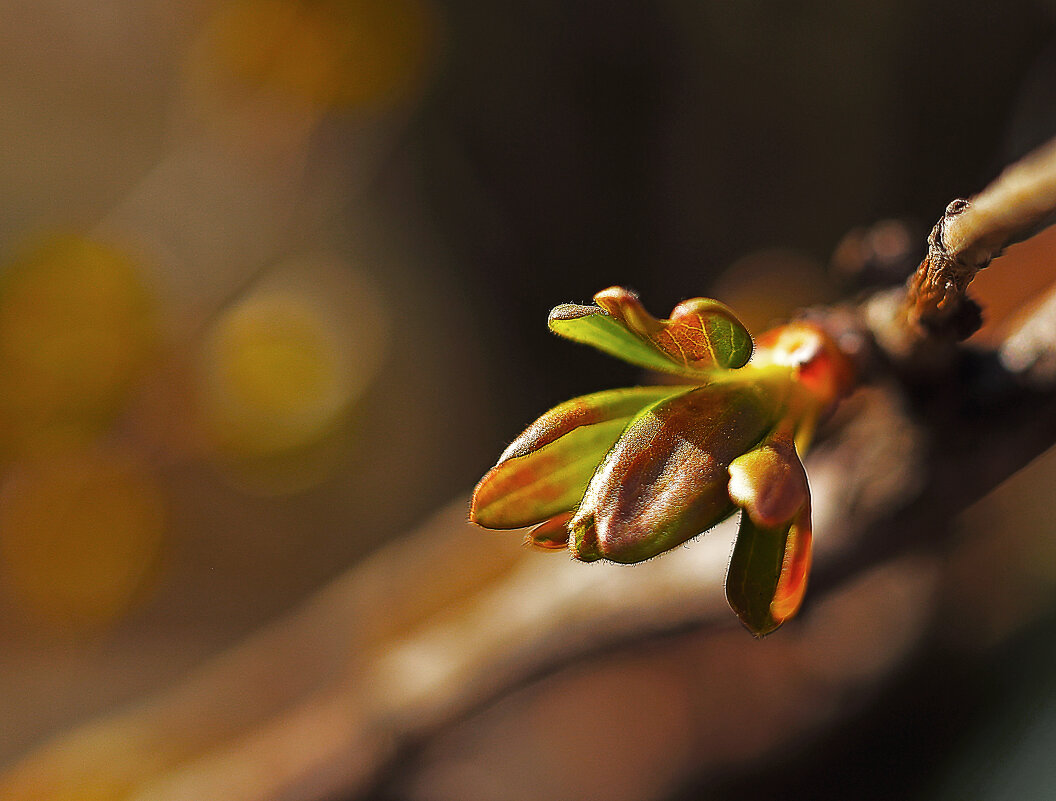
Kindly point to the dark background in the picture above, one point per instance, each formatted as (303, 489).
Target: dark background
(565, 147)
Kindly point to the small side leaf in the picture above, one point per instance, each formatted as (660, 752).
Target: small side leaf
(768, 572)
(545, 471)
(701, 335)
(769, 482)
(551, 535)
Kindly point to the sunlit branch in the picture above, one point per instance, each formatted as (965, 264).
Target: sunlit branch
(968, 236)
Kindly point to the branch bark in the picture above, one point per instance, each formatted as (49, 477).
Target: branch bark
(969, 235)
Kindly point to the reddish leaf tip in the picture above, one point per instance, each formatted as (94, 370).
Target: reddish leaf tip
(550, 536)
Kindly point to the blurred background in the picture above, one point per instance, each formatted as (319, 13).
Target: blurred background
(274, 277)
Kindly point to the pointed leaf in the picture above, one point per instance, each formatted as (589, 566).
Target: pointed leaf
(551, 535)
(768, 572)
(590, 325)
(665, 480)
(701, 335)
(545, 470)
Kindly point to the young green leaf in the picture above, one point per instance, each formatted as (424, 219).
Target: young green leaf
(545, 470)
(767, 575)
(666, 479)
(701, 335)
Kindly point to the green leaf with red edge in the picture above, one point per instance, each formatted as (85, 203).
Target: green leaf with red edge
(666, 479)
(701, 335)
(545, 471)
(768, 571)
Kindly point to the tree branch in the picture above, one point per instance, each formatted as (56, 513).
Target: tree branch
(969, 235)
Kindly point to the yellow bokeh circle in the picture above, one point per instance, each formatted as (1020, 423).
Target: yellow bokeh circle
(273, 377)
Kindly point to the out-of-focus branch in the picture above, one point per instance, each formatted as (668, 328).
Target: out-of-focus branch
(429, 627)
(419, 632)
(1029, 350)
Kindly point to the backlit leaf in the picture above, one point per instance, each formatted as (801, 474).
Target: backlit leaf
(544, 471)
(665, 481)
(768, 572)
(701, 335)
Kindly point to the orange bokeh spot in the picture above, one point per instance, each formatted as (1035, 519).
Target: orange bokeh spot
(76, 328)
(771, 285)
(331, 53)
(80, 533)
